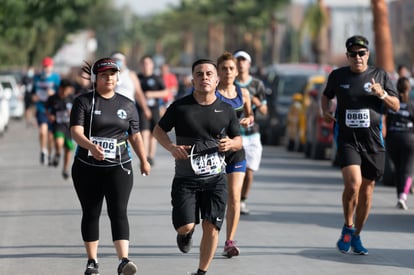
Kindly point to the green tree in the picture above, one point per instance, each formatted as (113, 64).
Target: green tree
(315, 25)
(223, 25)
(246, 22)
(30, 29)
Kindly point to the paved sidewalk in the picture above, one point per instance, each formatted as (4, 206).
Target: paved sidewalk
(294, 224)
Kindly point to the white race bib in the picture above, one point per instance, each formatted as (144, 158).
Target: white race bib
(357, 118)
(207, 164)
(62, 116)
(108, 144)
(42, 94)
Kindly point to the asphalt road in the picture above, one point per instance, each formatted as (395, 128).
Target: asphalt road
(295, 221)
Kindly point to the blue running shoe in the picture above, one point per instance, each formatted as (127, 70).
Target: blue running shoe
(344, 242)
(357, 246)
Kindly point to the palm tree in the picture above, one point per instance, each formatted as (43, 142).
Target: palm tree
(382, 32)
(316, 24)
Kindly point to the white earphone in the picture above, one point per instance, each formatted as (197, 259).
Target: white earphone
(93, 75)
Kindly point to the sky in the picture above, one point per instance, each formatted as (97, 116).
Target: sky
(145, 7)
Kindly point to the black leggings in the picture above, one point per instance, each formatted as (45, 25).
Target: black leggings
(400, 148)
(92, 185)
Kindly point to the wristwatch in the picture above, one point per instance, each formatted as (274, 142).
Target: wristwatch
(384, 95)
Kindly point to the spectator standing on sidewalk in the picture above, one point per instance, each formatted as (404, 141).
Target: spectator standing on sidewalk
(400, 141)
(105, 125)
(363, 93)
(205, 128)
(251, 136)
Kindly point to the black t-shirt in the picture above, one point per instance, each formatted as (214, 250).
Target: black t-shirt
(200, 126)
(401, 121)
(359, 112)
(151, 83)
(60, 108)
(113, 120)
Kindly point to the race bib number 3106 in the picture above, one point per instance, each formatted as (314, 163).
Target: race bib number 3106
(108, 144)
(357, 118)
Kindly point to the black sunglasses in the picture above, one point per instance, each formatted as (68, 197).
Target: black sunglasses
(359, 53)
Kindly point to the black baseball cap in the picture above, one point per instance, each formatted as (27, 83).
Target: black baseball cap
(356, 40)
(104, 64)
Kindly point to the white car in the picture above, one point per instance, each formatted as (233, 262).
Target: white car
(16, 100)
(4, 109)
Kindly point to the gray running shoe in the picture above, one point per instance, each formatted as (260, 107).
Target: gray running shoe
(65, 175)
(43, 158)
(92, 267)
(185, 242)
(243, 209)
(126, 267)
(56, 160)
(401, 204)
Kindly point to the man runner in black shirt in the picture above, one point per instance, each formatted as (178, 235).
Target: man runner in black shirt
(363, 93)
(205, 128)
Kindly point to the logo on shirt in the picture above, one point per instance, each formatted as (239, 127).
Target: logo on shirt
(218, 111)
(151, 82)
(345, 86)
(367, 87)
(97, 112)
(121, 113)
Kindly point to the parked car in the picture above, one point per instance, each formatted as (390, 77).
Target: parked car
(284, 80)
(319, 133)
(296, 121)
(16, 100)
(4, 109)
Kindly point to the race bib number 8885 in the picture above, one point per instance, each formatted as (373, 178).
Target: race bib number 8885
(357, 118)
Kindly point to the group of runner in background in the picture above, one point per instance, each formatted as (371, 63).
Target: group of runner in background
(152, 93)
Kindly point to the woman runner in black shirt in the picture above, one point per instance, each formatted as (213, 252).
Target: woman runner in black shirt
(104, 124)
(400, 141)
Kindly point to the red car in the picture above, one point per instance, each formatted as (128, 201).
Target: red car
(319, 133)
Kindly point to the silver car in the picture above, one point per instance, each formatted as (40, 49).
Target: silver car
(4, 109)
(16, 100)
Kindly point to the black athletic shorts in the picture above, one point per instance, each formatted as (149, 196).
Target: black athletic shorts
(192, 197)
(149, 124)
(372, 164)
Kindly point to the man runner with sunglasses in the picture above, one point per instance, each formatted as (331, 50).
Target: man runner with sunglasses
(363, 93)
